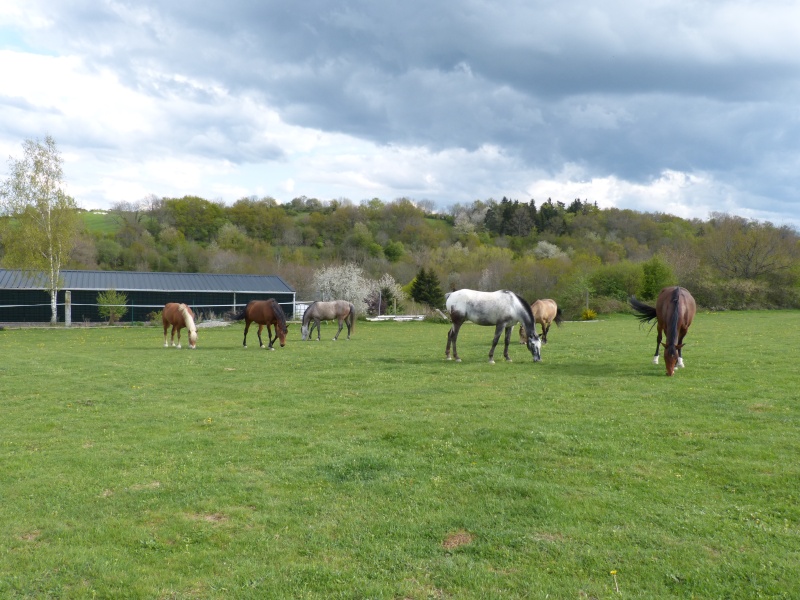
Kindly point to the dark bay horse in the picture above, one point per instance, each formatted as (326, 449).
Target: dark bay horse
(179, 316)
(264, 312)
(502, 309)
(545, 312)
(674, 310)
(340, 310)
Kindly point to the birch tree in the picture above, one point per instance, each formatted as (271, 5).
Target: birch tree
(43, 220)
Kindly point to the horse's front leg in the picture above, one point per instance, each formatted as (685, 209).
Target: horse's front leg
(260, 341)
(498, 330)
(544, 333)
(508, 339)
(341, 325)
(179, 338)
(319, 329)
(269, 336)
(679, 346)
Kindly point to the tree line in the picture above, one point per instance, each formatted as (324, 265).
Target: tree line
(581, 255)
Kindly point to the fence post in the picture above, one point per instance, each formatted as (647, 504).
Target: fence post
(67, 308)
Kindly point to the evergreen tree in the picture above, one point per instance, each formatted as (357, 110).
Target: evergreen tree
(426, 289)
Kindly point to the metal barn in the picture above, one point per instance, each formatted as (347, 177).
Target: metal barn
(24, 298)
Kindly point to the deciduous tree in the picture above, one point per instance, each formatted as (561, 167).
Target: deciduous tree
(44, 220)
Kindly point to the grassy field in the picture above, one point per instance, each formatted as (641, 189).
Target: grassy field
(373, 468)
(96, 222)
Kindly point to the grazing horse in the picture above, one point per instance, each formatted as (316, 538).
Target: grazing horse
(179, 316)
(674, 311)
(341, 310)
(501, 308)
(544, 313)
(264, 312)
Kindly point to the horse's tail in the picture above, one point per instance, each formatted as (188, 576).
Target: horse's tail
(352, 317)
(559, 317)
(644, 312)
(238, 316)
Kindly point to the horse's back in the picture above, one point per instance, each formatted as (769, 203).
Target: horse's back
(483, 308)
(676, 298)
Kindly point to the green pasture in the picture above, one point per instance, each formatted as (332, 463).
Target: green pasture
(373, 468)
(97, 222)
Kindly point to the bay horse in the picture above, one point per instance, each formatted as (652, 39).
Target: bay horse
(545, 312)
(179, 315)
(502, 308)
(674, 310)
(264, 312)
(341, 310)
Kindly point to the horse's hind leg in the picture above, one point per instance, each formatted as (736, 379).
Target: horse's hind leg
(246, 329)
(452, 336)
(341, 325)
(166, 329)
(658, 346)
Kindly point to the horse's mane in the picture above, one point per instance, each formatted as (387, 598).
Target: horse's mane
(673, 321)
(187, 317)
(278, 309)
(526, 305)
(306, 313)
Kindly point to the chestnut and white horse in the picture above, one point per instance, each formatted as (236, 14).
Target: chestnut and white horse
(502, 308)
(179, 316)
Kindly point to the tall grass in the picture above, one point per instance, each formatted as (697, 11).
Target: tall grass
(373, 468)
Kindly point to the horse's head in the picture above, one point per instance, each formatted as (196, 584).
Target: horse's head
(304, 331)
(535, 346)
(282, 331)
(671, 357)
(192, 339)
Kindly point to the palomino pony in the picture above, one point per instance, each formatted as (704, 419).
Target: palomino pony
(264, 312)
(674, 311)
(341, 310)
(179, 316)
(545, 312)
(502, 309)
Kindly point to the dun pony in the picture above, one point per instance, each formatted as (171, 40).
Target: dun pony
(545, 312)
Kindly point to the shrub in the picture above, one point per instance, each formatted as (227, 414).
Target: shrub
(112, 305)
(588, 315)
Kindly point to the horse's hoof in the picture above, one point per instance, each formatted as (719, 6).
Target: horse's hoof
(458, 360)
(655, 360)
(448, 358)
(271, 348)
(263, 346)
(491, 362)
(508, 360)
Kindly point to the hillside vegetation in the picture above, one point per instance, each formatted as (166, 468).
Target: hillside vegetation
(579, 254)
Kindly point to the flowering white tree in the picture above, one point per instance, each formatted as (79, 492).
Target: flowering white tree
(348, 282)
(343, 282)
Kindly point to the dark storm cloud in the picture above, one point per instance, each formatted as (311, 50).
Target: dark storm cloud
(622, 89)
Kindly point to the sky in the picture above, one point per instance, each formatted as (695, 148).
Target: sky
(685, 107)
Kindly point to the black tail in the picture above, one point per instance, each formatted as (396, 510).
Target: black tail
(238, 316)
(644, 312)
(559, 317)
